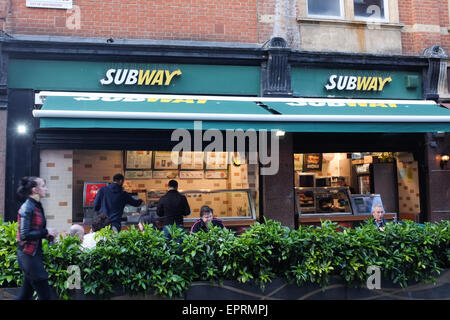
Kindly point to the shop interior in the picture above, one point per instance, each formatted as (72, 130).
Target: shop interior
(221, 180)
(349, 184)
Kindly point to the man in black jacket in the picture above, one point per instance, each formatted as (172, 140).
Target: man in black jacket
(112, 199)
(378, 214)
(206, 221)
(172, 207)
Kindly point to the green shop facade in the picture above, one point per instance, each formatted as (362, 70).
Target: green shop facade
(79, 112)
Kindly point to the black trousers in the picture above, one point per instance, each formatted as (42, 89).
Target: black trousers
(35, 277)
(30, 286)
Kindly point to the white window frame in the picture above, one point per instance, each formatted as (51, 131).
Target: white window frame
(341, 16)
(368, 19)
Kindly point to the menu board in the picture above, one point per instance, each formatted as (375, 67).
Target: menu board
(216, 174)
(139, 160)
(169, 174)
(192, 160)
(312, 162)
(166, 160)
(216, 160)
(138, 174)
(191, 174)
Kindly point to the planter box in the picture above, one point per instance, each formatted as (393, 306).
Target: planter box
(336, 290)
(279, 290)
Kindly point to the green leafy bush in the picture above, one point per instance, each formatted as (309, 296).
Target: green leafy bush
(10, 274)
(146, 262)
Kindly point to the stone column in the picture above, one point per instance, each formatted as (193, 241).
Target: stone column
(278, 190)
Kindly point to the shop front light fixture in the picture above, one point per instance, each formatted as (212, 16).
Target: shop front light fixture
(21, 129)
(444, 160)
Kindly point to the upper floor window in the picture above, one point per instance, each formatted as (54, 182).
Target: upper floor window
(326, 8)
(371, 10)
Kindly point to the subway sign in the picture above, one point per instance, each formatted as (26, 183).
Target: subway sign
(140, 77)
(357, 83)
(311, 82)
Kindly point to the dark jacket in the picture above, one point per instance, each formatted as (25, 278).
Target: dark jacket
(200, 225)
(381, 224)
(32, 227)
(111, 200)
(173, 206)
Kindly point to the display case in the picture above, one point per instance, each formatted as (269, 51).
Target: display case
(234, 204)
(228, 205)
(323, 201)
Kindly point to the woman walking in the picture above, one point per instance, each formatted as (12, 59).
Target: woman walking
(32, 229)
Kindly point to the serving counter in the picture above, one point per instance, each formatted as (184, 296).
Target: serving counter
(316, 204)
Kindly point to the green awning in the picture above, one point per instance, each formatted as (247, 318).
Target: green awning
(72, 110)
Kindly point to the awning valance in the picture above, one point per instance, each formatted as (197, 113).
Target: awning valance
(98, 110)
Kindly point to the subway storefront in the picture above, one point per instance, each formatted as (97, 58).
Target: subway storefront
(341, 139)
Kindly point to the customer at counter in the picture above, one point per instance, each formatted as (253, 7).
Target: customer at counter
(172, 207)
(378, 213)
(206, 221)
(112, 199)
(90, 240)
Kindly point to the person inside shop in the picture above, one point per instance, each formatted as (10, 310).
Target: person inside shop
(112, 199)
(378, 214)
(206, 221)
(32, 228)
(173, 206)
(90, 240)
(76, 230)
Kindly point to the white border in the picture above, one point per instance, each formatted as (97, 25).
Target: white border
(41, 96)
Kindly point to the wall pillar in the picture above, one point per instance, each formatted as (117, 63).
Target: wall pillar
(437, 179)
(278, 190)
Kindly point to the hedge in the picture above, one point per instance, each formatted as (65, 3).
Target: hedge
(147, 263)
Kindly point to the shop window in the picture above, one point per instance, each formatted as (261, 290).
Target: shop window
(222, 180)
(326, 8)
(370, 10)
(349, 184)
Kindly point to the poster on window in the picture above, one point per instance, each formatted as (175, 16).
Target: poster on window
(166, 160)
(53, 4)
(216, 160)
(192, 160)
(171, 174)
(138, 160)
(370, 9)
(216, 174)
(138, 174)
(312, 162)
(90, 191)
(191, 174)
(297, 162)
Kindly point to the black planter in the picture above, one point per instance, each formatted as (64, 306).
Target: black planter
(279, 290)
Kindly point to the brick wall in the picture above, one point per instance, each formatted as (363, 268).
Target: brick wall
(426, 24)
(217, 20)
(56, 169)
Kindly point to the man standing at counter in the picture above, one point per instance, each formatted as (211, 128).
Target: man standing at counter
(111, 200)
(172, 207)
(378, 213)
